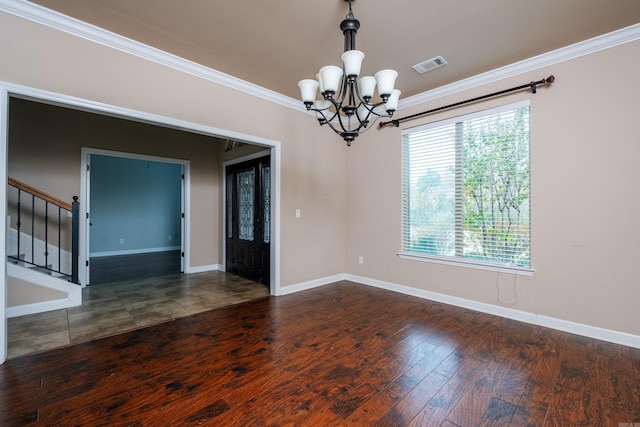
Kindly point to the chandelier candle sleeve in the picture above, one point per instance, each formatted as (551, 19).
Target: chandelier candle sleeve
(346, 103)
(392, 103)
(308, 89)
(319, 79)
(385, 80)
(367, 86)
(330, 76)
(352, 60)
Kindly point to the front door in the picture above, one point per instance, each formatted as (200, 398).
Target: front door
(248, 217)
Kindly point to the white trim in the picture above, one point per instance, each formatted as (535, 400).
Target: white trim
(204, 268)
(134, 251)
(304, 286)
(276, 166)
(75, 27)
(520, 270)
(40, 307)
(586, 47)
(609, 335)
(135, 156)
(4, 136)
(252, 156)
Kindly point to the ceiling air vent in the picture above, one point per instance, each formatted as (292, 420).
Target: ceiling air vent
(430, 64)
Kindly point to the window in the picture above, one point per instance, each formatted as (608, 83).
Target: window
(466, 188)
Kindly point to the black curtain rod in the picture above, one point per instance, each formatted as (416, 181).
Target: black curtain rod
(533, 86)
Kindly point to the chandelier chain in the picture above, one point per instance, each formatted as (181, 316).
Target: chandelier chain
(350, 14)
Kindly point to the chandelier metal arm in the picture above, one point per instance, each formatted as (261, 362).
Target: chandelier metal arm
(345, 128)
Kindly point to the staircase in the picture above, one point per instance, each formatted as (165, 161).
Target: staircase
(42, 248)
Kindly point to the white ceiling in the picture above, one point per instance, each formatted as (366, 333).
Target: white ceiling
(276, 43)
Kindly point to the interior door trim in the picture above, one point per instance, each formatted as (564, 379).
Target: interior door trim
(84, 267)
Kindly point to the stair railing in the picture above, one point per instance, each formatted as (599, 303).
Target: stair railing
(44, 213)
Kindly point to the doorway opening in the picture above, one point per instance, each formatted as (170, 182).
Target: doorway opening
(136, 216)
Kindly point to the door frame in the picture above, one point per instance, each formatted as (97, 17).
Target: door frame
(84, 266)
(8, 90)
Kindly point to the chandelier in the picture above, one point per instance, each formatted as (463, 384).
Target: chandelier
(346, 105)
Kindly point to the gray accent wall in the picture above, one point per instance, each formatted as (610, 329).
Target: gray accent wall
(135, 205)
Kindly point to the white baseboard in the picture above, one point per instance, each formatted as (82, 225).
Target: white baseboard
(133, 251)
(203, 268)
(41, 307)
(286, 290)
(609, 335)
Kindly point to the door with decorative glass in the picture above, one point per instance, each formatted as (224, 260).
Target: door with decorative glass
(248, 219)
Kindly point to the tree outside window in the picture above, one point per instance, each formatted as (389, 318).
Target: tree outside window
(466, 188)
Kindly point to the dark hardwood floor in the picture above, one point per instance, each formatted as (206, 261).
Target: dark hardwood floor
(117, 268)
(343, 354)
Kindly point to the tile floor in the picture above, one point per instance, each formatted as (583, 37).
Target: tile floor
(108, 309)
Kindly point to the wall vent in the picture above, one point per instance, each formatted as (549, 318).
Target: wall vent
(430, 64)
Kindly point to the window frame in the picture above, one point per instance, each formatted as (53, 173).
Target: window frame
(460, 261)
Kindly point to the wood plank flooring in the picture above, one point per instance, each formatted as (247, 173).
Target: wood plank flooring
(133, 266)
(341, 355)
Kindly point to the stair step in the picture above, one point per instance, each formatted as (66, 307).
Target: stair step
(45, 270)
(16, 259)
(19, 260)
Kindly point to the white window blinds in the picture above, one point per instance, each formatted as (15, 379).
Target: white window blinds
(466, 188)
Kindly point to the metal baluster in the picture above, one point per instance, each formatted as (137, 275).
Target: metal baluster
(75, 239)
(46, 234)
(18, 223)
(33, 227)
(59, 242)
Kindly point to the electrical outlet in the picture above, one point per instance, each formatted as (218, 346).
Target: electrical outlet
(121, 241)
(360, 260)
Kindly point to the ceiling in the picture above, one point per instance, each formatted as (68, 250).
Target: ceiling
(274, 44)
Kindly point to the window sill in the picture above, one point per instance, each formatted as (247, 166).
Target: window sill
(479, 265)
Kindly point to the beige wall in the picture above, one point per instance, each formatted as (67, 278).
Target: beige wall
(585, 148)
(584, 178)
(312, 163)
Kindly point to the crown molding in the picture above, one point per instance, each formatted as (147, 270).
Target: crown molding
(595, 44)
(58, 21)
(75, 27)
